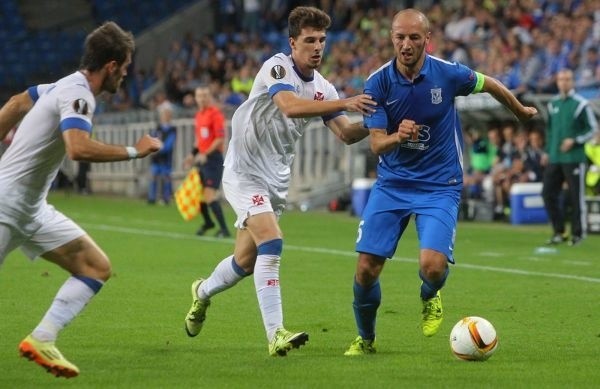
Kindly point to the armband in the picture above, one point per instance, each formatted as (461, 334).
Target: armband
(131, 152)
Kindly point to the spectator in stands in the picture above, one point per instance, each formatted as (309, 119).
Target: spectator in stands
(553, 60)
(161, 163)
(587, 74)
(265, 128)
(57, 122)
(242, 81)
(528, 68)
(416, 133)
(480, 163)
(501, 171)
(571, 123)
(207, 155)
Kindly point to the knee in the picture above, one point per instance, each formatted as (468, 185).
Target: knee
(433, 267)
(368, 269)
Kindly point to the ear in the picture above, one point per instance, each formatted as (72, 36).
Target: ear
(111, 66)
(292, 42)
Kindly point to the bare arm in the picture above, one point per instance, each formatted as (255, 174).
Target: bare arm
(13, 111)
(81, 147)
(346, 131)
(293, 106)
(506, 98)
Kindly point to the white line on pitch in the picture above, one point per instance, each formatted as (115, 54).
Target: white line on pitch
(176, 235)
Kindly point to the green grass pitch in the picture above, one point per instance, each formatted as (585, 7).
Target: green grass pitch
(545, 308)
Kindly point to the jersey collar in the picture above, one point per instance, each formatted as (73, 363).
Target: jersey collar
(401, 79)
(299, 73)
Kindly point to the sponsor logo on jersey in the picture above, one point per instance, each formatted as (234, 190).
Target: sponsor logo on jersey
(81, 106)
(278, 72)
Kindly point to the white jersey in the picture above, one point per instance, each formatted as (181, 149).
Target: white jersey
(29, 166)
(263, 139)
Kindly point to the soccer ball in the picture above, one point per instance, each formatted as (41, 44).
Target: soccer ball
(473, 339)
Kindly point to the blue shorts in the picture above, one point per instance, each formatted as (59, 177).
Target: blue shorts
(211, 172)
(388, 212)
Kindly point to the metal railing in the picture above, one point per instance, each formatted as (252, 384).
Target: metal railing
(324, 166)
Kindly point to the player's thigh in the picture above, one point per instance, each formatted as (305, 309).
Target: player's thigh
(384, 220)
(62, 241)
(248, 197)
(81, 256)
(10, 239)
(436, 223)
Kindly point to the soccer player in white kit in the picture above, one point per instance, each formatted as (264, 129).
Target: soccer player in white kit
(56, 119)
(286, 92)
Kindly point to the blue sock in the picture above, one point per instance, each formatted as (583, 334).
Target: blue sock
(366, 302)
(430, 288)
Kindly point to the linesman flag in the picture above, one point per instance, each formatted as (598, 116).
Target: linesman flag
(189, 195)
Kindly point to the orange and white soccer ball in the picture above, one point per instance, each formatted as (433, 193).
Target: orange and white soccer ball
(473, 338)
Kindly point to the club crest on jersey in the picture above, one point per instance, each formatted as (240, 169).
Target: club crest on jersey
(81, 106)
(319, 96)
(436, 95)
(258, 200)
(278, 72)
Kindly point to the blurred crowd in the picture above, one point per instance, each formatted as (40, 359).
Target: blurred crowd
(523, 43)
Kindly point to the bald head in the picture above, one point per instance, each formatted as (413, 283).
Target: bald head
(411, 17)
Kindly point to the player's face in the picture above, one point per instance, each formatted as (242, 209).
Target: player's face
(409, 37)
(115, 75)
(307, 48)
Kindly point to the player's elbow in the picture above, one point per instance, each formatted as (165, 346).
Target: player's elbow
(290, 111)
(77, 153)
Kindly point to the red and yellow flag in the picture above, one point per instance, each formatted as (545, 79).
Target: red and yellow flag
(189, 195)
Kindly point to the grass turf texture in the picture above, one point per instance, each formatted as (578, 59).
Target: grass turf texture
(544, 307)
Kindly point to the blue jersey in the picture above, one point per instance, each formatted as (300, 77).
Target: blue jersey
(434, 159)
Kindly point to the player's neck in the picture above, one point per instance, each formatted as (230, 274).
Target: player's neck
(410, 72)
(94, 80)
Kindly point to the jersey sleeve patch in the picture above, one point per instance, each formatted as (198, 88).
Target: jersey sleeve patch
(77, 123)
(81, 107)
(278, 72)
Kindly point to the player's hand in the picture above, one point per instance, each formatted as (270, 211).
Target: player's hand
(567, 144)
(188, 161)
(363, 104)
(527, 113)
(200, 158)
(407, 129)
(147, 144)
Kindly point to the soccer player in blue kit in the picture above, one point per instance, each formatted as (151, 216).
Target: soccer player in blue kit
(416, 134)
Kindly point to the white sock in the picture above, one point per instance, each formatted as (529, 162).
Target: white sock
(268, 292)
(71, 298)
(222, 278)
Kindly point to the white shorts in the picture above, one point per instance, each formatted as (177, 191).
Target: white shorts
(248, 195)
(53, 229)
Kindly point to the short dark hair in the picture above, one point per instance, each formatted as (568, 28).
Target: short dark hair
(109, 42)
(302, 17)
